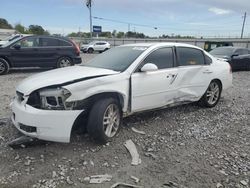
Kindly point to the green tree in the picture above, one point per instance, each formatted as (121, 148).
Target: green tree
(120, 34)
(114, 32)
(4, 24)
(37, 30)
(20, 28)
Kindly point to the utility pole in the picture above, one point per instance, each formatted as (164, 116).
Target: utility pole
(89, 5)
(243, 25)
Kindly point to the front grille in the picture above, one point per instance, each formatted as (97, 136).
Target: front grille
(27, 128)
(19, 96)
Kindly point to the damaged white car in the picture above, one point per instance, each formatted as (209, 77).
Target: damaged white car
(120, 82)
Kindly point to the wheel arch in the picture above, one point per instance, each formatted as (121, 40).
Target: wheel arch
(219, 81)
(86, 105)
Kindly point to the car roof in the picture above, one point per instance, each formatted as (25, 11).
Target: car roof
(49, 36)
(160, 44)
(231, 47)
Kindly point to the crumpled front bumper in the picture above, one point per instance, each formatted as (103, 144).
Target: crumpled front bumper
(50, 125)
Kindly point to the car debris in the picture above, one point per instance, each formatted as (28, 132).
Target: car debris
(23, 141)
(136, 160)
(148, 154)
(136, 180)
(96, 179)
(120, 184)
(138, 131)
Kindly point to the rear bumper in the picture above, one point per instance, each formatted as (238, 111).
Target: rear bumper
(51, 125)
(77, 60)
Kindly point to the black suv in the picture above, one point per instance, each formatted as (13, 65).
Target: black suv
(39, 51)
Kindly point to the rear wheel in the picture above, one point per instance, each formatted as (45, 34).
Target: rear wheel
(212, 94)
(64, 62)
(104, 120)
(4, 66)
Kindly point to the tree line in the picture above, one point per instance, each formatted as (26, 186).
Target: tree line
(32, 29)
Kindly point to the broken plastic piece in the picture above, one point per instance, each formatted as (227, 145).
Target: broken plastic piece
(117, 185)
(99, 178)
(138, 131)
(129, 144)
(135, 179)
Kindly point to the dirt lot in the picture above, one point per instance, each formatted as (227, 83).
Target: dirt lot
(185, 146)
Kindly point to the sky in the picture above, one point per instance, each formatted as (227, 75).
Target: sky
(206, 18)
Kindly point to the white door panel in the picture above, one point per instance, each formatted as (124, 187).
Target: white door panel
(153, 89)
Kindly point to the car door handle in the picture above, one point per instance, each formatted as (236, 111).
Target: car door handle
(171, 75)
(207, 71)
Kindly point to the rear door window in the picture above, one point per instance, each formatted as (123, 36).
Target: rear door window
(64, 43)
(190, 56)
(49, 42)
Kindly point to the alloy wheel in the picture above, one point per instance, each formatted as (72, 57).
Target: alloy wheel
(213, 93)
(111, 120)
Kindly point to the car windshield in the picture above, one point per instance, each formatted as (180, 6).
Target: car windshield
(117, 59)
(222, 51)
(91, 43)
(11, 42)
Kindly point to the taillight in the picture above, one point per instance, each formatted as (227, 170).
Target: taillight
(76, 48)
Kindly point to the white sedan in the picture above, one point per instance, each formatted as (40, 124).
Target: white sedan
(123, 81)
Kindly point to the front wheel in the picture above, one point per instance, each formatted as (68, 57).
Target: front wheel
(64, 62)
(90, 50)
(212, 94)
(104, 120)
(4, 66)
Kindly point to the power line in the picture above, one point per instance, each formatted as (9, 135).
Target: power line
(128, 23)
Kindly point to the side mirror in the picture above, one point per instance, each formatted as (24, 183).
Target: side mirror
(149, 67)
(17, 46)
(235, 55)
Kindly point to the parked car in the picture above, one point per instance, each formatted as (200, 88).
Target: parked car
(120, 82)
(39, 51)
(210, 45)
(96, 46)
(239, 58)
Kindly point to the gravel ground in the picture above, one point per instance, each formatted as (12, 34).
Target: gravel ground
(185, 146)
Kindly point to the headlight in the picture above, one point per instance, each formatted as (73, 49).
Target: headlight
(54, 99)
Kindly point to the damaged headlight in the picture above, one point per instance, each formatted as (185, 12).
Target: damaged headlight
(55, 99)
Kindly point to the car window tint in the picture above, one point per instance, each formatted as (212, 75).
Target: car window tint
(190, 56)
(65, 43)
(28, 42)
(162, 58)
(48, 42)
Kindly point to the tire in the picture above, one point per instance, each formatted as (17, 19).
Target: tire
(108, 110)
(4, 66)
(90, 50)
(212, 95)
(64, 62)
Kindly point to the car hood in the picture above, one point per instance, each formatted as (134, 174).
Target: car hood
(61, 76)
(222, 56)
